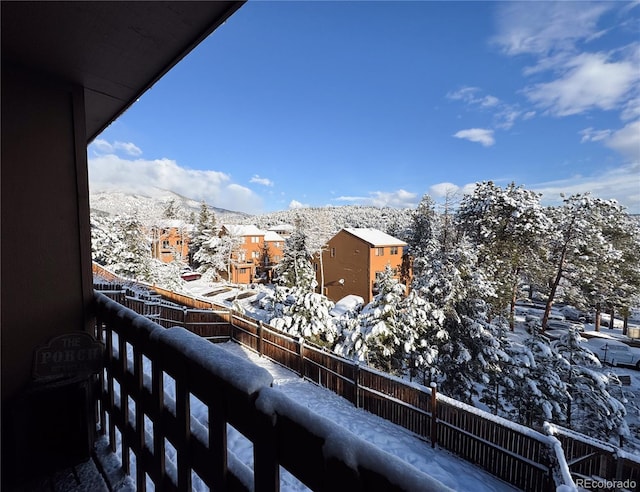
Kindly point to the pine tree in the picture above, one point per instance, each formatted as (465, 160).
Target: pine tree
(307, 317)
(592, 410)
(378, 338)
(534, 388)
(508, 227)
(295, 269)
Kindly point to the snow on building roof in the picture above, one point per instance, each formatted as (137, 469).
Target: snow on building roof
(375, 237)
(243, 230)
(287, 228)
(272, 236)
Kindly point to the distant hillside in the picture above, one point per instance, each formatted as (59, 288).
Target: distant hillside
(150, 205)
(390, 220)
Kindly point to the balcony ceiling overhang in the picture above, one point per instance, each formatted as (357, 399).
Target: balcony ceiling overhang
(115, 50)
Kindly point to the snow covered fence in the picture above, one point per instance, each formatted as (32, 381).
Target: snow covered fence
(593, 458)
(155, 378)
(514, 453)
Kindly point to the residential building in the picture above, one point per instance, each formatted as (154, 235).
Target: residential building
(170, 241)
(255, 253)
(352, 260)
(283, 230)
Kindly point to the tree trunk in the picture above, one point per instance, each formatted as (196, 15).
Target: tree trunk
(512, 307)
(597, 319)
(611, 316)
(554, 286)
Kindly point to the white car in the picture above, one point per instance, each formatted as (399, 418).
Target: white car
(614, 352)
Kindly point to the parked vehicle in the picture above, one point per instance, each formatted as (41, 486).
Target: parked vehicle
(614, 352)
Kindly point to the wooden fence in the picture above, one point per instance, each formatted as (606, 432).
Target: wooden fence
(141, 357)
(523, 457)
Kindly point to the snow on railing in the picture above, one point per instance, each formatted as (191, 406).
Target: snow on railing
(170, 395)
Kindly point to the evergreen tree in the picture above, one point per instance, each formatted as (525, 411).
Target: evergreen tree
(580, 248)
(508, 227)
(308, 317)
(295, 269)
(131, 253)
(591, 410)
(204, 230)
(534, 388)
(377, 338)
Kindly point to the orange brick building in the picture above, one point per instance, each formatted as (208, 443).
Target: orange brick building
(248, 260)
(170, 241)
(352, 260)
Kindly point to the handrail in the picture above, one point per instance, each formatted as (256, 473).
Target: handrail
(141, 356)
(530, 459)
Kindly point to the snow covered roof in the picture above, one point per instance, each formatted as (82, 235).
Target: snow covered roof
(282, 228)
(243, 230)
(272, 236)
(375, 237)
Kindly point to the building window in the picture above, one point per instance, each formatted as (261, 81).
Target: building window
(394, 250)
(242, 271)
(255, 239)
(255, 254)
(165, 244)
(333, 252)
(379, 251)
(277, 258)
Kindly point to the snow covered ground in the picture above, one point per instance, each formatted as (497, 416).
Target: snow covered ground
(244, 298)
(441, 465)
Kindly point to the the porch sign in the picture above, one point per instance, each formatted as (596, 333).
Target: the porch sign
(69, 355)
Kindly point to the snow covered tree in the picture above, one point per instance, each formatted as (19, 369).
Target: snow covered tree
(471, 350)
(508, 226)
(120, 244)
(377, 338)
(295, 269)
(591, 410)
(421, 335)
(204, 229)
(214, 256)
(582, 247)
(317, 229)
(171, 210)
(534, 389)
(308, 317)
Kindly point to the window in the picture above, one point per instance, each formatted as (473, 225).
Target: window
(333, 252)
(255, 239)
(394, 250)
(277, 258)
(242, 271)
(379, 251)
(255, 254)
(165, 244)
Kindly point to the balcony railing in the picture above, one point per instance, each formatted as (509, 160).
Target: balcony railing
(521, 456)
(142, 358)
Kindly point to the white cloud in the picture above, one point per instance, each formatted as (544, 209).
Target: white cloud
(480, 135)
(543, 28)
(101, 146)
(592, 135)
(622, 182)
(626, 141)
(111, 172)
(263, 181)
(395, 199)
(504, 114)
(590, 81)
(296, 204)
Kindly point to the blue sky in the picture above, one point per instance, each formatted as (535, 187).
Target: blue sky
(314, 103)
